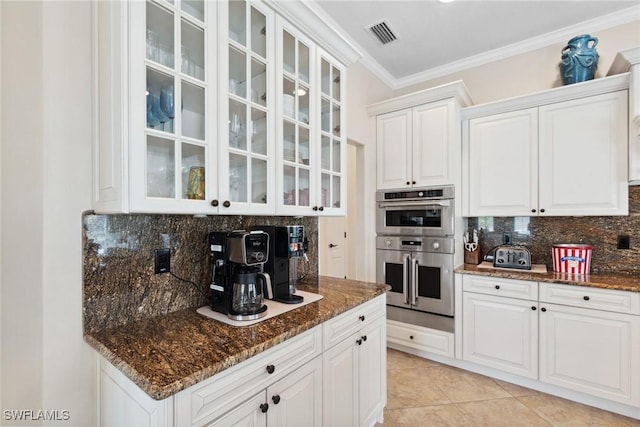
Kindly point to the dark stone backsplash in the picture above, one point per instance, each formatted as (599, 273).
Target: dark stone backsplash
(539, 234)
(118, 263)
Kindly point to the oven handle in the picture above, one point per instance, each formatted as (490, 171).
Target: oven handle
(414, 280)
(405, 283)
(417, 203)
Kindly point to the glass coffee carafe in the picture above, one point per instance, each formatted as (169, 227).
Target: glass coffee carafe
(249, 287)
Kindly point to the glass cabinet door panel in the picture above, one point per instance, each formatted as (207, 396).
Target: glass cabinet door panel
(303, 104)
(289, 141)
(325, 189)
(258, 82)
(335, 194)
(325, 111)
(160, 101)
(289, 185)
(325, 78)
(192, 50)
(325, 157)
(238, 21)
(259, 180)
(258, 131)
(160, 40)
(288, 52)
(335, 78)
(258, 33)
(335, 116)
(304, 185)
(303, 62)
(303, 145)
(288, 98)
(237, 125)
(238, 178)
(237, 72)
(160, 167)
(193, 172)
(193, 111)
(335, 167)
(194, 8)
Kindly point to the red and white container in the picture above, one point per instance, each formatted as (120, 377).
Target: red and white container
(575, 259)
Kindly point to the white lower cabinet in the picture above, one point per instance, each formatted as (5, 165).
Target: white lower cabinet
(591, 351)
(297, 383)
(501, 333)
(354, 374)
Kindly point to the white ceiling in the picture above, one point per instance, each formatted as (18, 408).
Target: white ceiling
(437, 38)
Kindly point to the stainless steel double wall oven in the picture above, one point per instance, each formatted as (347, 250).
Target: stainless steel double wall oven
(415, 246)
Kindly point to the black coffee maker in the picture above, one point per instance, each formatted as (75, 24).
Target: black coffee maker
(238, 283)
(285, 247)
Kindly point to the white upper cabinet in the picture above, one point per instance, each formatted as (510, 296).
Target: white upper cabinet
(565, 155)
(208, 107)
(418, 137)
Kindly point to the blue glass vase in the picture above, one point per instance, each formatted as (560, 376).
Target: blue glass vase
(579, 59)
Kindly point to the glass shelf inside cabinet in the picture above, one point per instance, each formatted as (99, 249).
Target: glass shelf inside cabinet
(160, 40)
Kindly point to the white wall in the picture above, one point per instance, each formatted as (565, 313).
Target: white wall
(46, 184)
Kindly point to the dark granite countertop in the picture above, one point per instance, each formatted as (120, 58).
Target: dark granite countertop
(606, 281)
(166, 354)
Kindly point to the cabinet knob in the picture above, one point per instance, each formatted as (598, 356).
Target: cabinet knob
(410, 337)
(542, 210)
(264, 407)
(315, 208)
(361, 318)
(226, 203)
(533, 307)
(586, 298)
(321, 208)
(359, 341)
(497, 286)
(271, 369)
(533, 211)
(413, 182)
(364, 338)
(543, 309)
(408, 183)
(276, 399)
(215, 203)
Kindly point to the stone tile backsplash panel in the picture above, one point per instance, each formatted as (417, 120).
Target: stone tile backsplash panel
(118, 263)
(539, 234)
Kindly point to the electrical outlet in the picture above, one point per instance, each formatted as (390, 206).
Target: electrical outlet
(506, 238)
(163, 261)
(624, 242)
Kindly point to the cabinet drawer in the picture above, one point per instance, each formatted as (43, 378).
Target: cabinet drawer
(425, 339)
(596, 298)
(522, 289)
(222, 392)
(339, 328)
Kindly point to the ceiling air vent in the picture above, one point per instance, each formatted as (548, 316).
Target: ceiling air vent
(383, 32)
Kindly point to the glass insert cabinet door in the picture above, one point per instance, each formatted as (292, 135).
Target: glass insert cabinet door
(332, 139)
(171, 92)
(246, 155)
(296, 148)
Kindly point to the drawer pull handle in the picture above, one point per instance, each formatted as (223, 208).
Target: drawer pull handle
(533, 307)
(264, 407)
(497, 286)
(586, 298)
(276, 399)
(361, 318)
(543, 309)
(271, 369)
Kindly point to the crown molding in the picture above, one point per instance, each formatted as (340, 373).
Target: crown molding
(309, 18)
(614, 19)
(624, 60)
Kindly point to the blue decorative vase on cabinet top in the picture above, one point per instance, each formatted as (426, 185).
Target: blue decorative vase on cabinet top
(579, 59)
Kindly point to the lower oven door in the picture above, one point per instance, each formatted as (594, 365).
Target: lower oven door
(431, 282)
(419, 280)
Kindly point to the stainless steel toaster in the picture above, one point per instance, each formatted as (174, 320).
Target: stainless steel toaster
(512, 257)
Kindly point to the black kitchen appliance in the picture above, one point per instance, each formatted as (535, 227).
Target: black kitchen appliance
(285, 247)
(238, 282)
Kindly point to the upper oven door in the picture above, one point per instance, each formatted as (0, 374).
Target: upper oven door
(416, 218)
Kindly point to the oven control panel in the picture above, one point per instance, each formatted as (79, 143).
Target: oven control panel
(442, 245)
